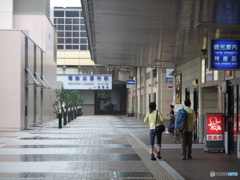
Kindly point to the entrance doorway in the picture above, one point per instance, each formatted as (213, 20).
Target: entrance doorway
(195, 108)
(111, 101)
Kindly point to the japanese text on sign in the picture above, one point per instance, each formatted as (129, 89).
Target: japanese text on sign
(224, 54)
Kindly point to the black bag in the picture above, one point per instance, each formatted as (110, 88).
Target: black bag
(160, 128)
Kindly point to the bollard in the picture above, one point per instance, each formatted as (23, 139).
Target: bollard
(65, 119)
(60, 120)
(69, 116)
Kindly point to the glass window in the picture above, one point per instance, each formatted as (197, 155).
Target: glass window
(60, 40)
(83, 27)
(68, 34)
(75, 21)
(68, 40)
(68, 47)
(68, 21)
(75, 34)
(75, 27)
(83, 34)
(60, 46)
(75, 41)
(60, 27)
(75, 47)
(60, 34)
(83, 47)
(82, 21)
(60, 21)
(58, 13)
(55, 20)
(83, 40)
(68, 27)
(72, 13)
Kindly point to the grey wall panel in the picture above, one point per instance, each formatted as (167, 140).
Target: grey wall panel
(30, 103)
(31, 7)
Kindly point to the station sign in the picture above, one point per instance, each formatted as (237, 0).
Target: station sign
(87, 82)
(224, 54)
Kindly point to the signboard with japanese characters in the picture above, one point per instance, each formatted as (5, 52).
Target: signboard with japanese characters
(87, 82)
(224, 54)
(214, 131)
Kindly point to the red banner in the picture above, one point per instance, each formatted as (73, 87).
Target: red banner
(214, 124)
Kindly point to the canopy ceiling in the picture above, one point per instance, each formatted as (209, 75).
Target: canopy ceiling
(156, 33)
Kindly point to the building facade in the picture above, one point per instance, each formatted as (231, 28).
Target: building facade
(28, 72)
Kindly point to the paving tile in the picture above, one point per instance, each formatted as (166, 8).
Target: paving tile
(101, 147)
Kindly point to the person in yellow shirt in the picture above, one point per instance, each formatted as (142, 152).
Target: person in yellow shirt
(186, 137)
(154, 118)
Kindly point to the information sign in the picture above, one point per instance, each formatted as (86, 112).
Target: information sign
(224, 54)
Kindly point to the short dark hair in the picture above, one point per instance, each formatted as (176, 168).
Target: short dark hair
(152, 106)
(187, 102)
(172, 106)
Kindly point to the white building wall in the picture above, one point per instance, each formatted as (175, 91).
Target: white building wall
(49, 69)
(28, 24)
(6, 14)
(189, 71)
(12, 81)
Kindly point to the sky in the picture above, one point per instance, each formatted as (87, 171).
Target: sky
(66, 3)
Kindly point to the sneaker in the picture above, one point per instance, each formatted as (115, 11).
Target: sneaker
(189, 157)
(159, 155)
(183, 158)
(153, 157)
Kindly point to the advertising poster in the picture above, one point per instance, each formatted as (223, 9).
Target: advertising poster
(178, 90)
(214, 127)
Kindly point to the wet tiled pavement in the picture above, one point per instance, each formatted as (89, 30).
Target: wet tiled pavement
(102, 147)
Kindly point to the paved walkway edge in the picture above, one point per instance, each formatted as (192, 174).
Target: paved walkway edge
(168, 168)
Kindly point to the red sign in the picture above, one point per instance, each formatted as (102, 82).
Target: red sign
(214, 124)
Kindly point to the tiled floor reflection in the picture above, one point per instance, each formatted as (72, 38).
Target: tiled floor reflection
(71, 157)
(69, 146)
(86, 149)
(81, 175)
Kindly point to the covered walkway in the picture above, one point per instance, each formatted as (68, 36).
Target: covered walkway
(102, 147)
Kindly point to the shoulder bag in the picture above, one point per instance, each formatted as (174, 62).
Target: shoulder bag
(160, 128)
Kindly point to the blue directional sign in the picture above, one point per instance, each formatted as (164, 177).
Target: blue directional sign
(130, 83)
(224, 54)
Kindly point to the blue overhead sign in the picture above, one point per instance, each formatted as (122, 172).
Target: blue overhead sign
(224, 54)
(130, 83)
